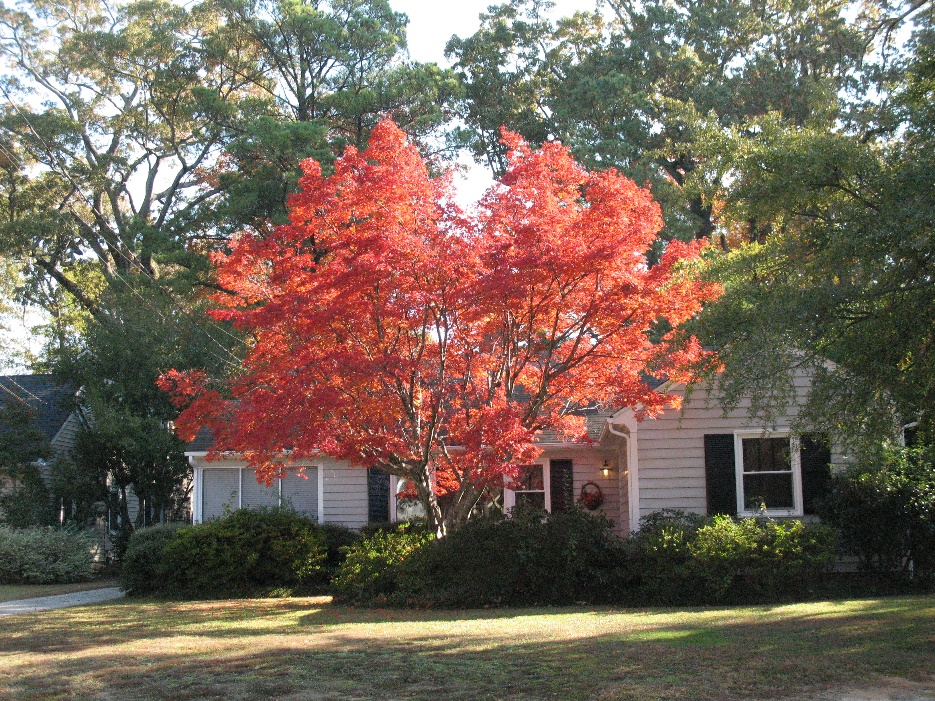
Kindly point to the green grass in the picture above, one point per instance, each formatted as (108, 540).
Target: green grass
(294, 649)
(13, 592)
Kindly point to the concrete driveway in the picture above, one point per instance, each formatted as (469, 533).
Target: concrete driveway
(60, 601)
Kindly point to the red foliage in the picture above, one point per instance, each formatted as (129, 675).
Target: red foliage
(390, 329)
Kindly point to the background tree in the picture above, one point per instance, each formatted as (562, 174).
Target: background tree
(843, 286)
(392, 331)
(128, 444)
(321, 76)
(655, 88)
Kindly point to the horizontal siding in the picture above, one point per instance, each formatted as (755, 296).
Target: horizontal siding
(345, 499)
(671, 448)
(586, 465)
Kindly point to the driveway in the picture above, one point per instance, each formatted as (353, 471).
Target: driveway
(45, 603)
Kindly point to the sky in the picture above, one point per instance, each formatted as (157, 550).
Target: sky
(432, 23)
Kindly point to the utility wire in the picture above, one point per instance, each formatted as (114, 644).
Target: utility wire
(116, 246)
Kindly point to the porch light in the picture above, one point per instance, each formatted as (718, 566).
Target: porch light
(605, 468)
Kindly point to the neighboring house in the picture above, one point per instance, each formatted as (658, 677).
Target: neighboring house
(57, 417)
(697, 459)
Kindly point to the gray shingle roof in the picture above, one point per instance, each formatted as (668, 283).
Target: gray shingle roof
(202, 442)
(596, 418)
(52, 400)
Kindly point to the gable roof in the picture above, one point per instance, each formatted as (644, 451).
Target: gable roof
(52, 401)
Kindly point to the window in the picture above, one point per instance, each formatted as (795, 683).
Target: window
(532, 488)
(768, 474)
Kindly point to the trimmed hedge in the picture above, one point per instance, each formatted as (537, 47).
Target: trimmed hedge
(530, 558)
(142, 565)
(248, 553)
(689, 559)
(535, 558)
(44, 555)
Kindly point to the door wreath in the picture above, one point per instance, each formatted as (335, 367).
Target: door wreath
(591, 496)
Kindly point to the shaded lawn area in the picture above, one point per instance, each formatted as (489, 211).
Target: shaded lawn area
(13, 592)
(310, 649)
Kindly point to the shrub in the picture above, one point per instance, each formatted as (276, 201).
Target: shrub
(684, 558)
(662, 556)
(143, 568)
(338, 539)
(370, 571)
(530, 558)
(884, 508)
(248, 553)
(43, 555)
(760, 560)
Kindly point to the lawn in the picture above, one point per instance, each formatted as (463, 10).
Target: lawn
(295, 649)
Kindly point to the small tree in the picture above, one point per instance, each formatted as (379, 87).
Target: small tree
(24, 499)
(392, 330)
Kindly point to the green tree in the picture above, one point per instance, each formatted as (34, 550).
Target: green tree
(843, 286)
(659, 88)
(128, 442)
(103, 143)
(24, 500)
(321, 76)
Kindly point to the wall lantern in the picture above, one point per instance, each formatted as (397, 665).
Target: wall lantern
(606, 468)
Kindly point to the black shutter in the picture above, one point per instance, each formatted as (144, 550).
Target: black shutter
(720, 478)
(378, 496)
(816, 472)
(561, 485)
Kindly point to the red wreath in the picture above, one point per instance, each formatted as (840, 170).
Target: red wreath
(591, 496)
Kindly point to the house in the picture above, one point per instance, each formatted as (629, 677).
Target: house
(57, 418)
(698, 459)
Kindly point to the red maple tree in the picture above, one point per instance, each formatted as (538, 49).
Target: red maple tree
(390, 329)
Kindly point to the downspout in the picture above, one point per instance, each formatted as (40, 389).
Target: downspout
(633, 488)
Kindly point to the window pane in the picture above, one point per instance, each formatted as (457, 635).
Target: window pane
(766, 455)
(530, 477)
(535, 500)
(773, 490)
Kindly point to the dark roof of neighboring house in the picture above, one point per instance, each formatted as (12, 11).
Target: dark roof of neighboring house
(202, 442)
(52, 400)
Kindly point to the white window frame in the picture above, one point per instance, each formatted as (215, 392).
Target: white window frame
(795, 457)
(247, 473)
(509, 495)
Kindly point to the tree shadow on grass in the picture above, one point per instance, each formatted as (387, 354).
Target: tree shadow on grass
(737, 661)
(282, 649)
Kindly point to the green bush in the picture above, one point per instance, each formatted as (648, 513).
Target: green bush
(662, 557)
(248, 553)
(371, 568)
(338, 539)
(43, 555)
(685, 558)
(530, 558)
(143, 568)
(760, 560)
(884, 509)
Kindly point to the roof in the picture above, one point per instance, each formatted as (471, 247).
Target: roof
(52, 400)
(594, 422)
(595, 418)
(203, 441)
